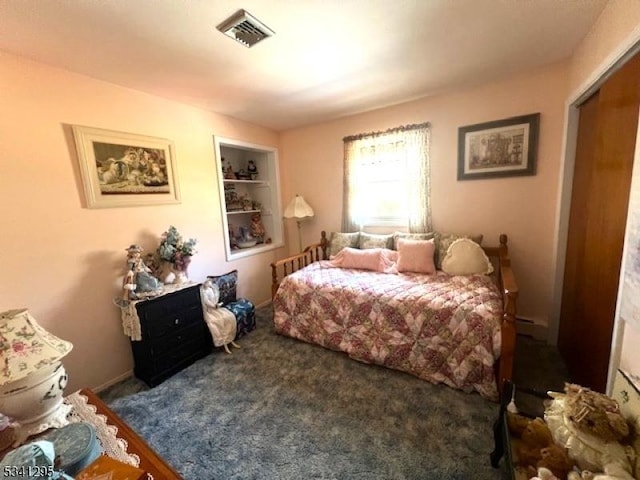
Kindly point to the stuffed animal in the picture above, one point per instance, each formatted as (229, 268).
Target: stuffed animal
(590, 425)
(535, 448)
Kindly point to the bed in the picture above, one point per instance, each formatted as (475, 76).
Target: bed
(453, 329)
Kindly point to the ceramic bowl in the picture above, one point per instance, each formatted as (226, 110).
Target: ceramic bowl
(247, 243)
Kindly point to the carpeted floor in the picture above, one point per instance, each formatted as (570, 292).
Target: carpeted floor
(282, 409)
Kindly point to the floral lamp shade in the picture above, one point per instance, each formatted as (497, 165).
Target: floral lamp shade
(26, 347)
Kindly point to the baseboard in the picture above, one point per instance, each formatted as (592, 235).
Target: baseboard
(112, 382)
(264, 304)
(532, 328)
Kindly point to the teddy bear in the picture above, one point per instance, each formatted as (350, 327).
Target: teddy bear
(590, 425)
(535, 448)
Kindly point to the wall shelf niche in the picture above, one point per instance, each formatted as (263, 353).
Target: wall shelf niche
(247, 194)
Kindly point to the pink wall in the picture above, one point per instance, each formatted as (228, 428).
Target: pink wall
(615, 31)
(522, 207)
(65, 262)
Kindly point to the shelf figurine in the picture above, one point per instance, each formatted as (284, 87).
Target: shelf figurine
(257, 227)
(227, 170)
(252, 169)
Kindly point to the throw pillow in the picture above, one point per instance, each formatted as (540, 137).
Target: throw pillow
(466, 257)
(411, 236)
(339, 240)
(444, 241)
(226, 283)
(375, 259)
(370, 240)
(416, 256)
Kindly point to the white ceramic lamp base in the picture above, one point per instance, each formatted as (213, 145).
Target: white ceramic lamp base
(35, 402)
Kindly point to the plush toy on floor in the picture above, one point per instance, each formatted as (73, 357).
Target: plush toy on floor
(596, 434)
(535, 449)
(221, 321)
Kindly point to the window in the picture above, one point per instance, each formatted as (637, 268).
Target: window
(387, 179)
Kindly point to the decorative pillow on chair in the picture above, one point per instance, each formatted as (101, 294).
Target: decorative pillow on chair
(227, 285)
(416, 256)
(375, 259)
(339, 240)
(411, 236)
(466, 257)
(444, 241)
(369, 240)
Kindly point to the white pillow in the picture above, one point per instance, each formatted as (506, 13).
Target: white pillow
(466, 257)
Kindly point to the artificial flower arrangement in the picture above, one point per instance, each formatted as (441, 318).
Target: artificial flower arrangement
(175, 250)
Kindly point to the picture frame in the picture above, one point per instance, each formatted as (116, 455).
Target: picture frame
(497, 149)
(121, 169)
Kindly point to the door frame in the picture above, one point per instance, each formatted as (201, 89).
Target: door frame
(605, 69)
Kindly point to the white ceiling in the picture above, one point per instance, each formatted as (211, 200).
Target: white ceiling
(329, 58)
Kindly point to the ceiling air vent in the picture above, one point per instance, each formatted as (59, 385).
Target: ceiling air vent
(245, 28)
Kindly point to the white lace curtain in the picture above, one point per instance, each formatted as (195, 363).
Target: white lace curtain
(400, 153)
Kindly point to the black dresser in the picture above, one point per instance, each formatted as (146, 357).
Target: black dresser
(174, 335)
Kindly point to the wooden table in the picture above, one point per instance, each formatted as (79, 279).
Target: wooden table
(150, 461)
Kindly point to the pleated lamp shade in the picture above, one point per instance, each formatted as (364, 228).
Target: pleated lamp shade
(298, 208)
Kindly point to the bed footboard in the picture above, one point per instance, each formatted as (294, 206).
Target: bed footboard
(509, 289)
(286, 266)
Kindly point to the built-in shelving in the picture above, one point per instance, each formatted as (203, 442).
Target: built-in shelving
(241, 198)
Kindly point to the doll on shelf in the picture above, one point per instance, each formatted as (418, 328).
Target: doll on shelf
(227, 171)
(257, 228)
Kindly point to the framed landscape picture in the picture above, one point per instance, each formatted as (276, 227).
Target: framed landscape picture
(124, 169)
(502, 148)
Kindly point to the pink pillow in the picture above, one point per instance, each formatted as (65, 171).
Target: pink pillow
(375, 259)
(416, 256)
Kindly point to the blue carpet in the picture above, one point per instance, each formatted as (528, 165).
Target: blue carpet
(283, 409)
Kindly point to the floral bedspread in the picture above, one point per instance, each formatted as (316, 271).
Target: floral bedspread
(441, 328)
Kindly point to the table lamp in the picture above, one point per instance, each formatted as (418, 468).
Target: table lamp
(298, 209)
(32, 377)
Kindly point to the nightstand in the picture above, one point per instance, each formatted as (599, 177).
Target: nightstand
(174, 335)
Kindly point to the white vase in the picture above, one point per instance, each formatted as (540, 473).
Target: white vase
(180, 276)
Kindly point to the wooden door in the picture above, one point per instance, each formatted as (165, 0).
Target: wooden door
(598, 215)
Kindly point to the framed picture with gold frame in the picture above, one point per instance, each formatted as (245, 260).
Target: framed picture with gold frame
(124, 169)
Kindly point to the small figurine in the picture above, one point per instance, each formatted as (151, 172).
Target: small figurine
(247, 204)
(257, 228)
(252, 169)
(227, 171)
(138, 278)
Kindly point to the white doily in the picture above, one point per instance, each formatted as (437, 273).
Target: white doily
(107, 435)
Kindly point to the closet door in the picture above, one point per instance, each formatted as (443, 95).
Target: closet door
(600, 195)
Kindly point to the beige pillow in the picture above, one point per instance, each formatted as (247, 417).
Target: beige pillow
(416, 256)
(466, 257)
(339, 240)
(444, 241)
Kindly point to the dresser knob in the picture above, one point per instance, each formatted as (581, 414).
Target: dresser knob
(176, 321)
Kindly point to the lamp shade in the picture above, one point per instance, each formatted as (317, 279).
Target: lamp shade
(298, 208)
(26, 347)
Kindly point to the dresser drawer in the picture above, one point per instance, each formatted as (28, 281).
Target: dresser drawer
(169, 343)
(153, 328)
(186, 353)
(169, 304)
